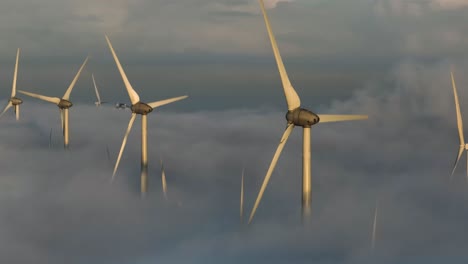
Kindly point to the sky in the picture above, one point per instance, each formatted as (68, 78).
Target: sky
(389, 59)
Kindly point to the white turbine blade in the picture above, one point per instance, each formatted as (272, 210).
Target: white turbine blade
(292, 98)
(163, 180)
(15, 75)
(457, 107)
(6, 108)
(284, 138)
(66, 96)
(131, 92)
(242, 197)
(460, 153)
(132, 119)
(339, 118)
(374, 226)
(96, 89)
(54, 100)
(166, 101)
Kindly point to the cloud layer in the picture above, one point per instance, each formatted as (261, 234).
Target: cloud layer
(59, 206)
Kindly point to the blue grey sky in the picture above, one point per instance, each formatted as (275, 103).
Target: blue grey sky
(389, 59)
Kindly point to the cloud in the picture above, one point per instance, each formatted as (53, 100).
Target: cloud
(59, 206)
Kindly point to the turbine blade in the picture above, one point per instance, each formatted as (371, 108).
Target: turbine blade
(6, 108)
(96, 89)
(66, 96)
(15, 75)
(242, 198)
(163, 180)
(457, 107)
(132, 119)
(292, 98)
(166, 101)
(54, 100)
(131, 92)
(61, 121)
(374, 226)
(460, 153)
(283, 140)
(339, 118)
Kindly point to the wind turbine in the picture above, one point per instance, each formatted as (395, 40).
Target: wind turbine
(163, 180)
(14, 101)
(99, 102)
(242, 198)
(63, 104)
(138, 108)
(463, 145)
(296, 116)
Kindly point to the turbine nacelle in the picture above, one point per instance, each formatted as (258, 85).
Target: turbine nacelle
(64, 104)
(141, 108)
(16, 101)
(302, 117)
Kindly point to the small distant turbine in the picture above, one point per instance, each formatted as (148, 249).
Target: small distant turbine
(63, 104)
(98, 102)
(163, 180)
(374, 226)
(14, 101)
(138, 108)
(463, 145)
(242, 198)
(296, 116)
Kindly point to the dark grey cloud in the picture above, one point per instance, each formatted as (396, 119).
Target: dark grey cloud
(59, 207)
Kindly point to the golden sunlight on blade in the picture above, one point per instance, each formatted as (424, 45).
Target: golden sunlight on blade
(457, 108)
(132, 119)
(66, 96)
(15, 74)
(339, 118)
(292, 98)
(166, 101)
(283, 140)
(54, 100)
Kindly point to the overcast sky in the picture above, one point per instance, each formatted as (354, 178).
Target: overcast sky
(386, 58)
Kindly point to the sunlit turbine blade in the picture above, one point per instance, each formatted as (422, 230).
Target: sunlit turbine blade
(131, 92)
(292, 98)
(457, 107)
(374, 226)
(283, 140)
(242, 197)
(66, 96)
(96, 89)
(132, 119)
(54, 100)
(460, 153)
(338, 118)
(166, 101)
(6, 108)
(15, 74)
(17, 112)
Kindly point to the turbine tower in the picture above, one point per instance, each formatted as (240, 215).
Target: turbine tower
(63, 104)
(296, 116)
(14, 101)
(138, 108)
(463, 145)
(98, 102)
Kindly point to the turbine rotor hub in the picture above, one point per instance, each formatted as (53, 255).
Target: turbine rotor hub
(302, 117)
(16, 101)
(141, 108)
(64, 104)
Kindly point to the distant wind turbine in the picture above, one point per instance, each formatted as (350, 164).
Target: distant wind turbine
(463, 145)
(63, 104)
(242, 198)
(98, 102)
(138, 108)
(163, 180)
(295, 116)
(14, 101)
(374, 226)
